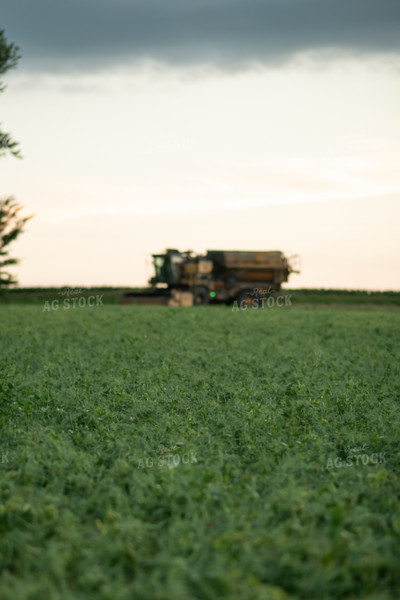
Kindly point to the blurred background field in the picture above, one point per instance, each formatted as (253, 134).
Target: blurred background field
(114, 295)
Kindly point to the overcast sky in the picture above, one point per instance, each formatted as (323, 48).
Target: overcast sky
(87, 34)
(257, 124)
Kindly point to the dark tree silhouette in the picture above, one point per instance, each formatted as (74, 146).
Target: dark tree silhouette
(11, 223)
(8, 60)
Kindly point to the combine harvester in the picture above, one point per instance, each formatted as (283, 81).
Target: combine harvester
(219, 276)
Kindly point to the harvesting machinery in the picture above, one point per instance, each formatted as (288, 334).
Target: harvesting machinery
(219, 276)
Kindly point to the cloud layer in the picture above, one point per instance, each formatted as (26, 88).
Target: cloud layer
(87, 34)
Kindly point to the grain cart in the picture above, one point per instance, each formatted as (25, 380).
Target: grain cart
(184, 278)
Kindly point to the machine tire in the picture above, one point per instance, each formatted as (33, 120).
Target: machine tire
(200, 296)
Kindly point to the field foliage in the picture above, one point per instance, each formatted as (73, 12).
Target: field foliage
(199, 453)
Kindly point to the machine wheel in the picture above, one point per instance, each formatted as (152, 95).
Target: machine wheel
(200, 296)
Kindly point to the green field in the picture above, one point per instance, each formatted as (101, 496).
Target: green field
(199, 453)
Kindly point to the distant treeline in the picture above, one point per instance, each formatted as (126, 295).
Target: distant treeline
(334, 296)
(114, 295)
(39, 295)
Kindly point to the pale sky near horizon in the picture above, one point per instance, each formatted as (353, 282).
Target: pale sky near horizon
(205, 125)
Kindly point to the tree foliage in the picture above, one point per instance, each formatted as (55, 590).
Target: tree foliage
(9, 56)
(11, 222)
(11, 225)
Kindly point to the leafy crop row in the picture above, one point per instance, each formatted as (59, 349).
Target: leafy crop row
(264, 400)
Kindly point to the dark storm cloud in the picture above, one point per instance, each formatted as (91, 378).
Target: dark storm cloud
(80, 34)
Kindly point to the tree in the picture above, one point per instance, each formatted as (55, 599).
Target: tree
(11, 223)
(8, 60)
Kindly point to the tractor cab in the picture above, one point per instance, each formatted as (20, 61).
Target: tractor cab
(167, 267)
